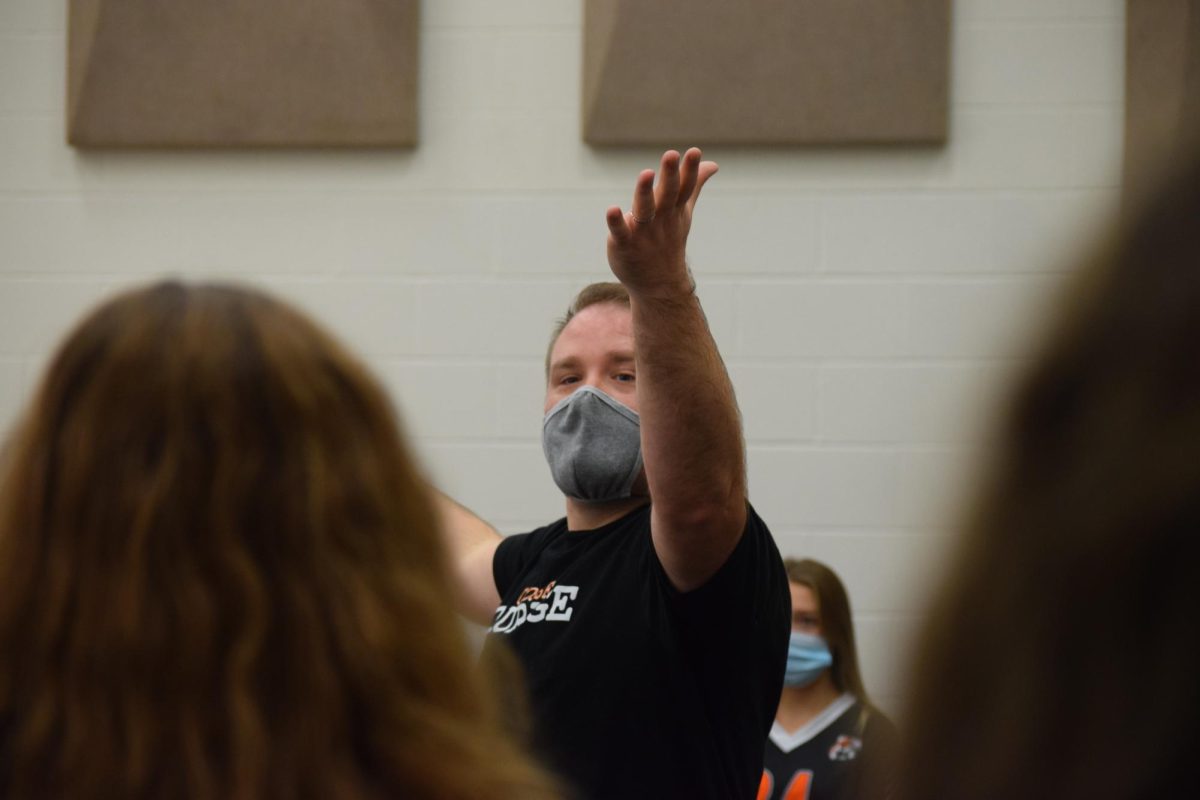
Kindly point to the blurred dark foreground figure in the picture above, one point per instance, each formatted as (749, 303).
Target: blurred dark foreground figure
(221, 576)
(1061, 658)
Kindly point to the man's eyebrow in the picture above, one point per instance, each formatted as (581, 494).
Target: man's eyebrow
(564, 363)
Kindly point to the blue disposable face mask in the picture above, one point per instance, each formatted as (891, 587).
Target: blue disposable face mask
(808, 656)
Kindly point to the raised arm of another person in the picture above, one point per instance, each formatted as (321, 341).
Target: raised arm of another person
(472, 543)
(691, 432)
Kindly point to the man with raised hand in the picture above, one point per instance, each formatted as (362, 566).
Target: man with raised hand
(652, 621)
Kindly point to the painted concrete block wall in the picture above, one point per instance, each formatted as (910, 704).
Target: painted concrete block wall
(869, 303)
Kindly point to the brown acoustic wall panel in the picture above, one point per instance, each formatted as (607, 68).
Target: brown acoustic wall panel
(298, 73)
(765, 71)
(1162, 87)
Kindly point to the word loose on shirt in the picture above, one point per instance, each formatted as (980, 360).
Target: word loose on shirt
(549, 603)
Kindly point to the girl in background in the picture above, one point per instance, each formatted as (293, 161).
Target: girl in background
(828, 742)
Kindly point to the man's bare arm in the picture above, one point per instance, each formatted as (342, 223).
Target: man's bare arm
(472, 543)
(691, 432)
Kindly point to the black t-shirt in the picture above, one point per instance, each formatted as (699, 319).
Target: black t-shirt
(846, 753)
(639, 690)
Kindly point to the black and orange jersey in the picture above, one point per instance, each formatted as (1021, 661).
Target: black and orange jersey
(846, 751)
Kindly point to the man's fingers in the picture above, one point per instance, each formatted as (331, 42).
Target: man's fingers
(706, 171)
(688, 179)
(668, 181)
(643, 197)
(679, 182)
(617, 228)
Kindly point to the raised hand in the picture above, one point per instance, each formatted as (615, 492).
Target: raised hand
(647, 246)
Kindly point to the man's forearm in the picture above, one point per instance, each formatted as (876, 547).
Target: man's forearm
(471, 543)
(691, 434)
(691, 431)
(463, 530)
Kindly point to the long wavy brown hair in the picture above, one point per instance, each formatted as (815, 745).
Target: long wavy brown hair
(221, 576)
(1060, 658)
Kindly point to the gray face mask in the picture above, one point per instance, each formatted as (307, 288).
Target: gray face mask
(594, 446)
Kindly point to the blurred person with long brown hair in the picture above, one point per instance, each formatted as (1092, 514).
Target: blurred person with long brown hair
(828, 741)
(1059, 660)
(221, 574)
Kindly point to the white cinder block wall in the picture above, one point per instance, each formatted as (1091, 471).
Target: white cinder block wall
(867, 301)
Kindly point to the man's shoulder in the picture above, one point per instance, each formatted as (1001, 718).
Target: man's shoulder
(534, 539)
(755, 558)
(516, 551)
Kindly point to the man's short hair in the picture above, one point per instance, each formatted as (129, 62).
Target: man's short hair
(590, 295)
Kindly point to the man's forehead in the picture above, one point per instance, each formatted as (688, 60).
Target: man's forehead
(596, 324)
(601, 315)
(617, 356)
